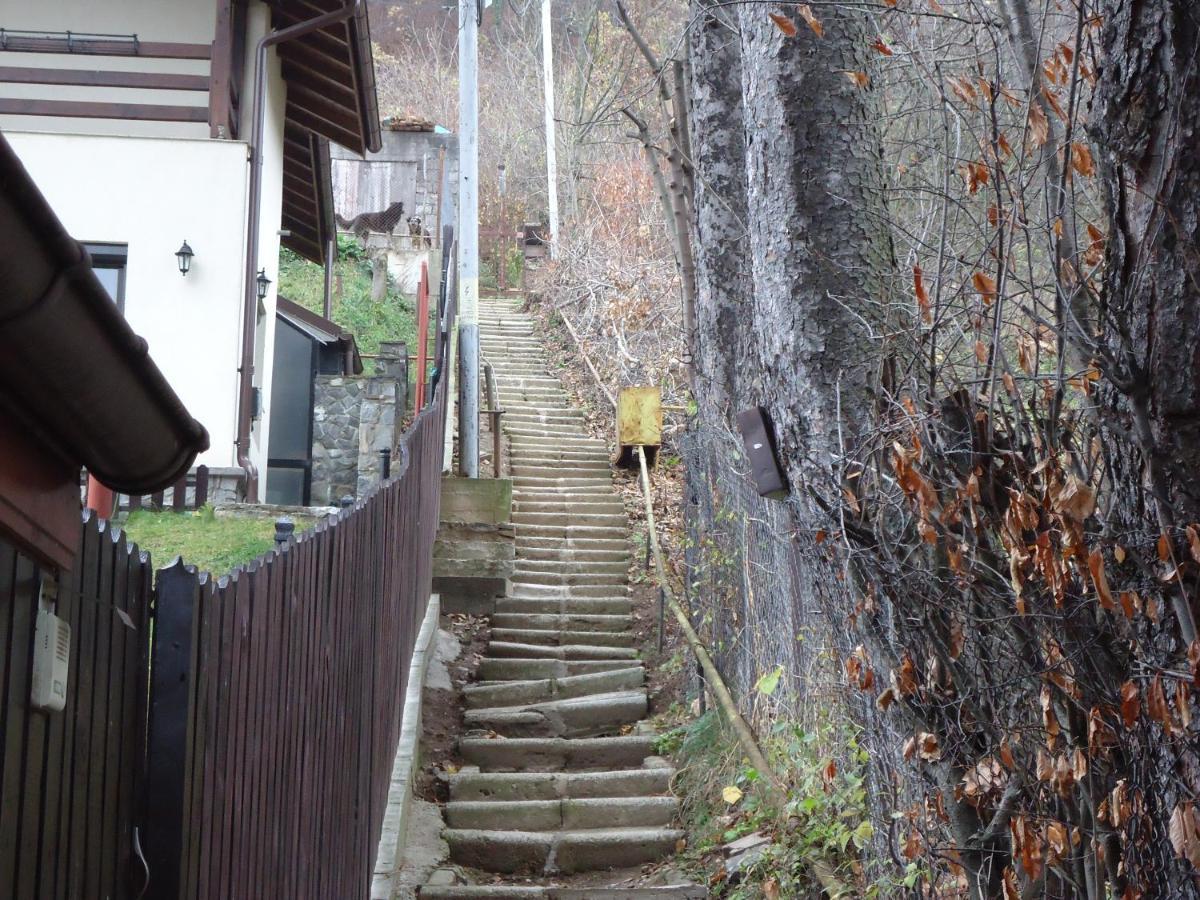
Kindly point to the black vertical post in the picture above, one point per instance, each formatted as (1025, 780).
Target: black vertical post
(385, 463)
(171, 676)
(284, 529)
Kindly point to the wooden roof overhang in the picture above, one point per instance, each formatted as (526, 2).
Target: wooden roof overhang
(330, 77)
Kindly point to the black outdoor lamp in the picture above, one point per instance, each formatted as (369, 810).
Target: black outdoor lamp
(263, 283)
(184, 256)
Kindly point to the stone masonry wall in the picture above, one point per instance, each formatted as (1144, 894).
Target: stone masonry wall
(354, 418)
(337, 402)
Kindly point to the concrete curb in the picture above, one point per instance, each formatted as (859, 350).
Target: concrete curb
(389, 858)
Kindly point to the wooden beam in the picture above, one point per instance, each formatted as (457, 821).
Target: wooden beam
(308, 58)
(338, 90)
(97, 46)
(337, 133)
(302, 199)
(152, 81)
(304, 97)
(220, 99)
(86, 109)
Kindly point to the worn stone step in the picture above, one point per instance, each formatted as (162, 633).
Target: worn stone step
(620, 606)
(562, 637)
(523, 436)
(590, 504)
(588, 716)
(514, 650)
(492, 669)
(512, 693)
(526, 892)
(570, 591)
(582, 519)
(552, 815)
(520, 470)
(645, 781)
(516, 757)
(532, 556)
(573, 579)
(565, 461)
(573, 621)
(570, 566)
(594, 489)
(559, 852)
(532, 538)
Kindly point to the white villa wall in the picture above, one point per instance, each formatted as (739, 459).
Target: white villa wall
(152, 194)
(153, 185)
(183, 21)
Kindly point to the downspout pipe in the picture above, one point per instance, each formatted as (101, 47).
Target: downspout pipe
(250, 298)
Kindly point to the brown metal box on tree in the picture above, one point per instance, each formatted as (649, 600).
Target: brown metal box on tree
(639, 423)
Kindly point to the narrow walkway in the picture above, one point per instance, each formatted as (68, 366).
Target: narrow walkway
(561, 775)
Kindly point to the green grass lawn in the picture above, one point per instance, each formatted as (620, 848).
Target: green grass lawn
(211, 544)
(394, 319)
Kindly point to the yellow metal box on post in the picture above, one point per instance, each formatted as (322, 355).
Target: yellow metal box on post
(639, 424)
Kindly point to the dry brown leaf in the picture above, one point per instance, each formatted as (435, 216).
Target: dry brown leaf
(1099, 580)
(905, 678)
(985, 286)
(882, 47)
(859, 79)
(1185, 833)
(784, 24)
(981, 352)
(1193, 542)
(1081, 159)
(1039, 125)
(814, 23)
(1164, 547)
(1130, 704)
(1156, 704)
(922, 295)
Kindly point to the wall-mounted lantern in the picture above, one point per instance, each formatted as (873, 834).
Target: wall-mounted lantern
(264, 284)
(184, 257)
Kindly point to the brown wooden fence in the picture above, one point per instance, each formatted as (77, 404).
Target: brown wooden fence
(221, 739)
(69, 780)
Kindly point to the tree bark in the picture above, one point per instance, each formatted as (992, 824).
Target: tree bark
(718, 149)
(1146, 123)
(820, 246)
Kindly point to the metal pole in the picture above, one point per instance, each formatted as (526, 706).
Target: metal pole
(551, 161)
(468, 237)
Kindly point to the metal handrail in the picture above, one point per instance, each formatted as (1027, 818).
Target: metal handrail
(493, 412)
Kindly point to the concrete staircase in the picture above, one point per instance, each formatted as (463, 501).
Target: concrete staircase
(561, 775)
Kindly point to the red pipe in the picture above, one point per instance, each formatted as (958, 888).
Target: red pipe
(101, 499)
(422, 334)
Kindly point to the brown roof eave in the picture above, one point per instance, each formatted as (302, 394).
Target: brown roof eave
(365, 59)
(334, 332)
(72, 371)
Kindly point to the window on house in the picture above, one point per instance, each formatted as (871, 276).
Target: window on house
(108, 262)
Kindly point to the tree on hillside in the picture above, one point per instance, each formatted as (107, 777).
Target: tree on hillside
(953, 251)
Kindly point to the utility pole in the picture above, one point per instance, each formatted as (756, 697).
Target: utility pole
(551, 161)
(468, 237)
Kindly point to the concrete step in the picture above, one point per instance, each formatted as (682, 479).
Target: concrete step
(567, 566)
(582, 519)
(587, 503)
(646, 781)
(553, 815)
(526, 892)
(562, 637)
(548, 491)
(572, 652)
(589, 716)
(571, 621)
(573, 579)
(534, 538)
(515, 756)
(533, 557)
(570, 591)
(559, 852)
(532, 470)
(530, 436)
(618, 606)
(512, 693)
(571, 462)
(493, 669)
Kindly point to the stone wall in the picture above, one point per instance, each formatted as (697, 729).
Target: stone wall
(337, 401)
(354, 418)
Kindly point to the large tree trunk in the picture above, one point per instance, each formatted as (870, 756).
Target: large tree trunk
(719, 150)
(820, 246)
(1146, 124)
